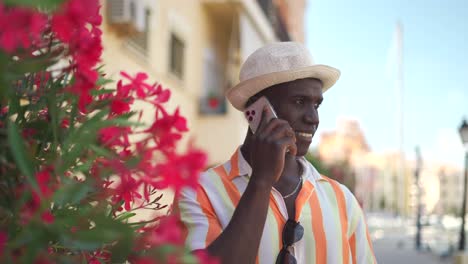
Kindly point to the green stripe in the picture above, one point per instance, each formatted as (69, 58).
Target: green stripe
(221, 191)
(306, 222)
(336, 241)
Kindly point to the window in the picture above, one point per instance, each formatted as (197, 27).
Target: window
(176, 63)
(140, 39)
(212, 101)
(132, 11)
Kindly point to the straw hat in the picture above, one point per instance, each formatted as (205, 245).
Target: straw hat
(275, 63)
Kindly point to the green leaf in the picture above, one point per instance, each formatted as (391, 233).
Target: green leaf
(122, 249)
(105, 231)
(189, 259)
(72, 193)
(101, 91)
(53, 112)
(45, 4)
(118, 121)
(18, 150)
(125, 216)
(32, 65)
(84, 167)
(103, 81)
(102, 151)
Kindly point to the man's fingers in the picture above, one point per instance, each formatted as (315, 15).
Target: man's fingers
(273, 125)
(283, 130)
(263, 121)
(288, 144)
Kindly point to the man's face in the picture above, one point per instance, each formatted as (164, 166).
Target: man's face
(297, 102)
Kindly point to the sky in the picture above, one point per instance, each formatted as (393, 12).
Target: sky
(358, 37)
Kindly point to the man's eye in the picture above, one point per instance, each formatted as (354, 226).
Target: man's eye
(316, 106)
(299, 101)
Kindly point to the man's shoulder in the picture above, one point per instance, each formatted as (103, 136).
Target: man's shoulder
(334, 183)
(212, 171)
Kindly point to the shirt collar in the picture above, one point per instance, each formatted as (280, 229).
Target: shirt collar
(240, 167)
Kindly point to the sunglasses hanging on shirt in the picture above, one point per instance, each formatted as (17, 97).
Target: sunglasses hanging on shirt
(292, 233)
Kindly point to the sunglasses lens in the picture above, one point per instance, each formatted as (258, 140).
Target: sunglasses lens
(285, 257)
(292, 232)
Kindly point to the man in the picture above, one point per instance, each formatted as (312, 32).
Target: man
(267, 204)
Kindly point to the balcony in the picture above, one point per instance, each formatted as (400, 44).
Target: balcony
(275, 19)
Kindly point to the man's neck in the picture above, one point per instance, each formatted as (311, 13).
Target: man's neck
(292, 168)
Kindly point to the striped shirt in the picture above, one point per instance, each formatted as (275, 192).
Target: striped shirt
(334, 225)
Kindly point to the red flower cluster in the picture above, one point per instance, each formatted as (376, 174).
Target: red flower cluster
(46, 187)
(140, 161)
(20, 27)
(3, 240)
(172, 170)
(167, 231)
(77, 24)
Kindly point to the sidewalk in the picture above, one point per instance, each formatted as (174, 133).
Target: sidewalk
(390, 250)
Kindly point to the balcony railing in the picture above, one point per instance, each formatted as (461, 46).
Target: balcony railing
(272, 13)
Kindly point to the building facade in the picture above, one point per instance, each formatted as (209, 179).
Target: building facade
(376, 175)
(450, 191)
(195, 48)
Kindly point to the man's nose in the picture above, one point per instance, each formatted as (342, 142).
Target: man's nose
(311, 116)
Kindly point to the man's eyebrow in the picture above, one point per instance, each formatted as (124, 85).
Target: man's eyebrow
(299, 94)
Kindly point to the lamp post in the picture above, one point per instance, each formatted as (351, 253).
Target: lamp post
(417, 171)
(464, 136)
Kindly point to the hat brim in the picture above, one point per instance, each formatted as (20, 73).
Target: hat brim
(239, 94)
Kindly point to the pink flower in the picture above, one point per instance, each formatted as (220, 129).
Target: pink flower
(166, 129)
(43, 179)
(29, 132)
(138, 83)
(98, 257)
(87, 49)
(180, 170)
(65, 123)
(143, 260)
(127, 191)
(115, 136)
(121, 100)
(119, 107)
(205, 258)
(21, 27)
(41, 259)
(3, 240)
(47, 217)
(167, 231)
(75, 15)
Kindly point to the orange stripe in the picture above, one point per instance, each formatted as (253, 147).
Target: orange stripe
(214, 227)
(176, 211)
(234, 166)
(230, 188)
(303, 197)
(370, 242)
(318, 230)
(279, 219)
(352, 244)
(343, 219)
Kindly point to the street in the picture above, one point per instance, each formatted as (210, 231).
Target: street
(391, 249)
(394, 242)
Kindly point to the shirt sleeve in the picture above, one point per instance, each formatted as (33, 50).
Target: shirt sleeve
(198, 218)
(359, 239)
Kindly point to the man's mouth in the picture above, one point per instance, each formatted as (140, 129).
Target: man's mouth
(304, 135)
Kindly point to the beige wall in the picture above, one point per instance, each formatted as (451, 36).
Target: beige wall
(200, 28)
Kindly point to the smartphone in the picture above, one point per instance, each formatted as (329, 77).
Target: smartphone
(253, 113)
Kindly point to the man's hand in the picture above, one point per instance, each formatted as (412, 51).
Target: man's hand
(270, 145)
